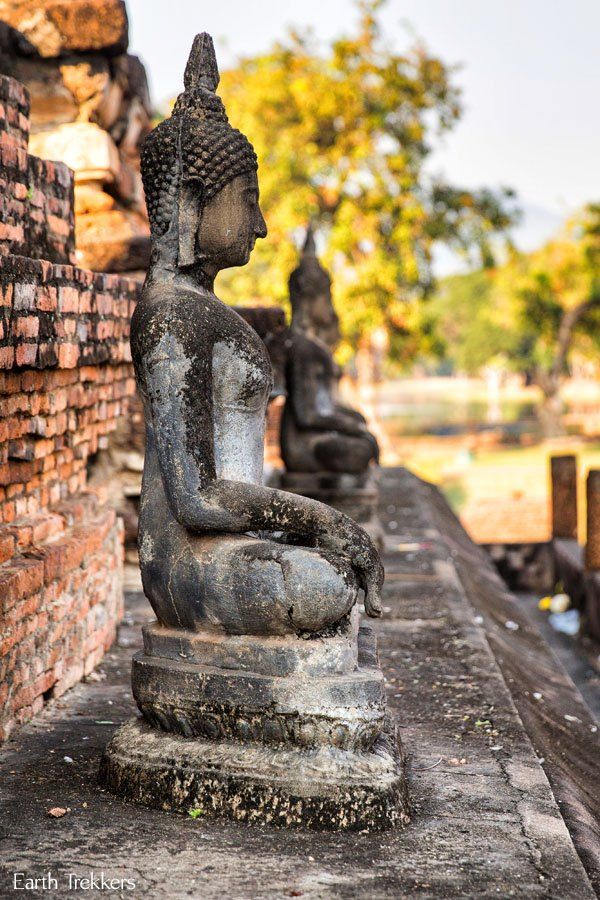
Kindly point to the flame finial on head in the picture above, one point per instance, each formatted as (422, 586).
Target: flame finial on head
(201, 69)
(309, 248)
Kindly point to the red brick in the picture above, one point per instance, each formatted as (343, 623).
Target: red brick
(7, 356)
(22, 534)
(49, 526)
(8, 511)
(68, 355)
(46, 298)
(7, 546)
(59, 226)
(26, 354)
(32, 381)
(68, 299)
(19, 579)
(27, 326)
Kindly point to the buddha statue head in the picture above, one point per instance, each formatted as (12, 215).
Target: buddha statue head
(199, 177)
(310, 297)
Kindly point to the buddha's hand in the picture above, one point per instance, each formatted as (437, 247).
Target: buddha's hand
(367, 565)
(372, 583)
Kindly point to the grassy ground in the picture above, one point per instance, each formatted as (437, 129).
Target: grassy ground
(501, 493)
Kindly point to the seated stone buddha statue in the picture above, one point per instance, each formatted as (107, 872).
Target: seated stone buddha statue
(207, 552)
(261, 696)
(318, 433)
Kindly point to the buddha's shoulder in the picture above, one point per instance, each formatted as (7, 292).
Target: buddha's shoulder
(167, 309)
(308, 347)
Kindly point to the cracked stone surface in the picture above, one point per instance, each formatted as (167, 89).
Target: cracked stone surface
(485, 820)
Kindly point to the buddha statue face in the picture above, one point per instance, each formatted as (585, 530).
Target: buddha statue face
(199, 177)
(230, 224)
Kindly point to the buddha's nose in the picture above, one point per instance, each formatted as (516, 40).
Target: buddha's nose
(261, 226)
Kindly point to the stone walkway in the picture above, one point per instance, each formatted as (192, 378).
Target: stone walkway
(485, 823)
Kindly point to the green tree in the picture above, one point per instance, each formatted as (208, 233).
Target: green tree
(343, 137)
(468, 326)
(532, 312)
(555, 297)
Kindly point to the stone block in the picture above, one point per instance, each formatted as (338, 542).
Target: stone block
(324, 789)
(51, 101)
(88, 81)
(90, 198)
(52, 28)
(336, 709)
(117, 240)
(85, 148)
(273, 655)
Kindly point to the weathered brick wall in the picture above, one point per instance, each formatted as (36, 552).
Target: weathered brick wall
(64, 374)
(14, 113)
(65, 380)
(90, 108)
(36, 196)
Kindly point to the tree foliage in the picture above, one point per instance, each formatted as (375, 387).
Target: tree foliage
(343, 137)
(467, 324)
(555, 294)
(531, 314)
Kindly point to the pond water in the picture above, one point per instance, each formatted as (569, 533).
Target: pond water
(452, 407)
(453, 416)
(484, 450)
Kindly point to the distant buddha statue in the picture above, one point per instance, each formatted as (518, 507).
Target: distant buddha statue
(318, 433)
(328, 451)
(256, 641)
(313, 311)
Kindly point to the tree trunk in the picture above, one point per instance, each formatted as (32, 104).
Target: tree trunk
(550, 415)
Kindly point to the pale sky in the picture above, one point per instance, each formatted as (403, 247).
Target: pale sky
(530, 73)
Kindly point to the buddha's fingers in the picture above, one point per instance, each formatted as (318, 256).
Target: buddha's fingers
(373, 606)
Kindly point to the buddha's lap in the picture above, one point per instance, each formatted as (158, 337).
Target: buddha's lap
(244, 552)
(250, 585)
(218, 561)
(347, 452)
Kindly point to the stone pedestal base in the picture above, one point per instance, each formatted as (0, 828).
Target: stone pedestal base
(355, 495)
(282, 730)
(324, 789)
(331, 699)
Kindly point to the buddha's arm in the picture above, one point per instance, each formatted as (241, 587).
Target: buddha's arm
(179, 389)
(349, 411)
(362, 424)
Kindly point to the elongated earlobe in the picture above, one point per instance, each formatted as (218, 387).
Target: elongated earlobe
(188, 221)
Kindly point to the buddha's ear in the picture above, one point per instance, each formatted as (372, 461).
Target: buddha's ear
(188, 221)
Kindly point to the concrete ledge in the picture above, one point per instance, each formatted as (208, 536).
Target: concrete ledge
(485, 820)
(556, 720)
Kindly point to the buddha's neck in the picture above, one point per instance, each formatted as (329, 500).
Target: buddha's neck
(301, 321)
(164, 267)
(197, 276)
